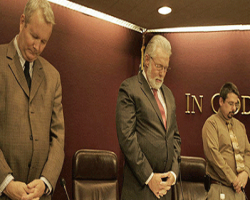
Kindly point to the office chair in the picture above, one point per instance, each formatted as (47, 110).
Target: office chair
(192, 171)
(95, 175)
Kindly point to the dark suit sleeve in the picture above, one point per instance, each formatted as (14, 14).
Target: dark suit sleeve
(177, 151)
(55, 160)
(173, 132)
(127, 136)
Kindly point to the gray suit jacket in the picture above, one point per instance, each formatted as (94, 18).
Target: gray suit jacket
(148, 147)
(31, 122)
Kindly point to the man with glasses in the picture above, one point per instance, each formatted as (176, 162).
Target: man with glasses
(226, 148)
(147, 129)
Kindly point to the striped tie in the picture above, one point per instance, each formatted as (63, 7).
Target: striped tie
(240, 166)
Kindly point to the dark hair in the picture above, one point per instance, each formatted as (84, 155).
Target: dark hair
(228, 88)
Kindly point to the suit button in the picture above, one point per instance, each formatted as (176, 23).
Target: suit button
(31, 137)
(29, 165)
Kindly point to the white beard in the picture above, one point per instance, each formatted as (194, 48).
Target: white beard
(152, 81)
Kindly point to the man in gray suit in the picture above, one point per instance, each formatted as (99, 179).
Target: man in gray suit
(147, 129)
(31, 114)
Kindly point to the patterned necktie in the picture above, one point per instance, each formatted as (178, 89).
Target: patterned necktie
(27, 72)
(163, 115)
(238, 158)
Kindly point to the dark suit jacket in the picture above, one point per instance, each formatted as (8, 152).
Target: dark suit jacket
(148, 147)
(31, 122)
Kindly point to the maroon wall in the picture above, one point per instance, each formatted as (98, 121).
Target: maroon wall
(201, 63)
(94, 57)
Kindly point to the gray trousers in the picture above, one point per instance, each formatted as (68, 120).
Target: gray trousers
(230, 194)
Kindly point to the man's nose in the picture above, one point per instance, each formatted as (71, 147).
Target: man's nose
(161, 73)
(234, 108)
(37, 44)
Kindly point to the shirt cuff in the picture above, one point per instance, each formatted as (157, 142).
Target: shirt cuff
(48, 189)
(174, 177)
(6, 182)
(149, 178)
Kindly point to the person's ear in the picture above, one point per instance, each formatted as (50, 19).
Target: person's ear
(147, 60)
(221, 101)
(22, 22)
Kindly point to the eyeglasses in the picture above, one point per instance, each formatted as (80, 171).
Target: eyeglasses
(160, 67)
(230, 103)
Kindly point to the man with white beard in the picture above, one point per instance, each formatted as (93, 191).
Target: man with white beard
(147, 129)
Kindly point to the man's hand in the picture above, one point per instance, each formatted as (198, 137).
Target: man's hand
(156, 184)
(15, 190)
(167, 184)
(240, 181)
(38, 187)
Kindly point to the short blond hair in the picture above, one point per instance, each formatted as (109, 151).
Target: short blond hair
(44, 6)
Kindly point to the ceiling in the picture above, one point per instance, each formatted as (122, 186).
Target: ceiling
(185, 13)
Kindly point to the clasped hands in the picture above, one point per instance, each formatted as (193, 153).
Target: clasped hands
(240, 181)
(17, 190)
(159, 187)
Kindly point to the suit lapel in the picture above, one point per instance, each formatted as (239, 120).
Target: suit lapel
(168, 106)
(147, 91)
(37, 78)
(16, 68)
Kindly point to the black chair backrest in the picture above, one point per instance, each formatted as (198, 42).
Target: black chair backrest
(95, 175)
(193, 170)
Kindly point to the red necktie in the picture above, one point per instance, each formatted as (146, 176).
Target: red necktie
(161, 108)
